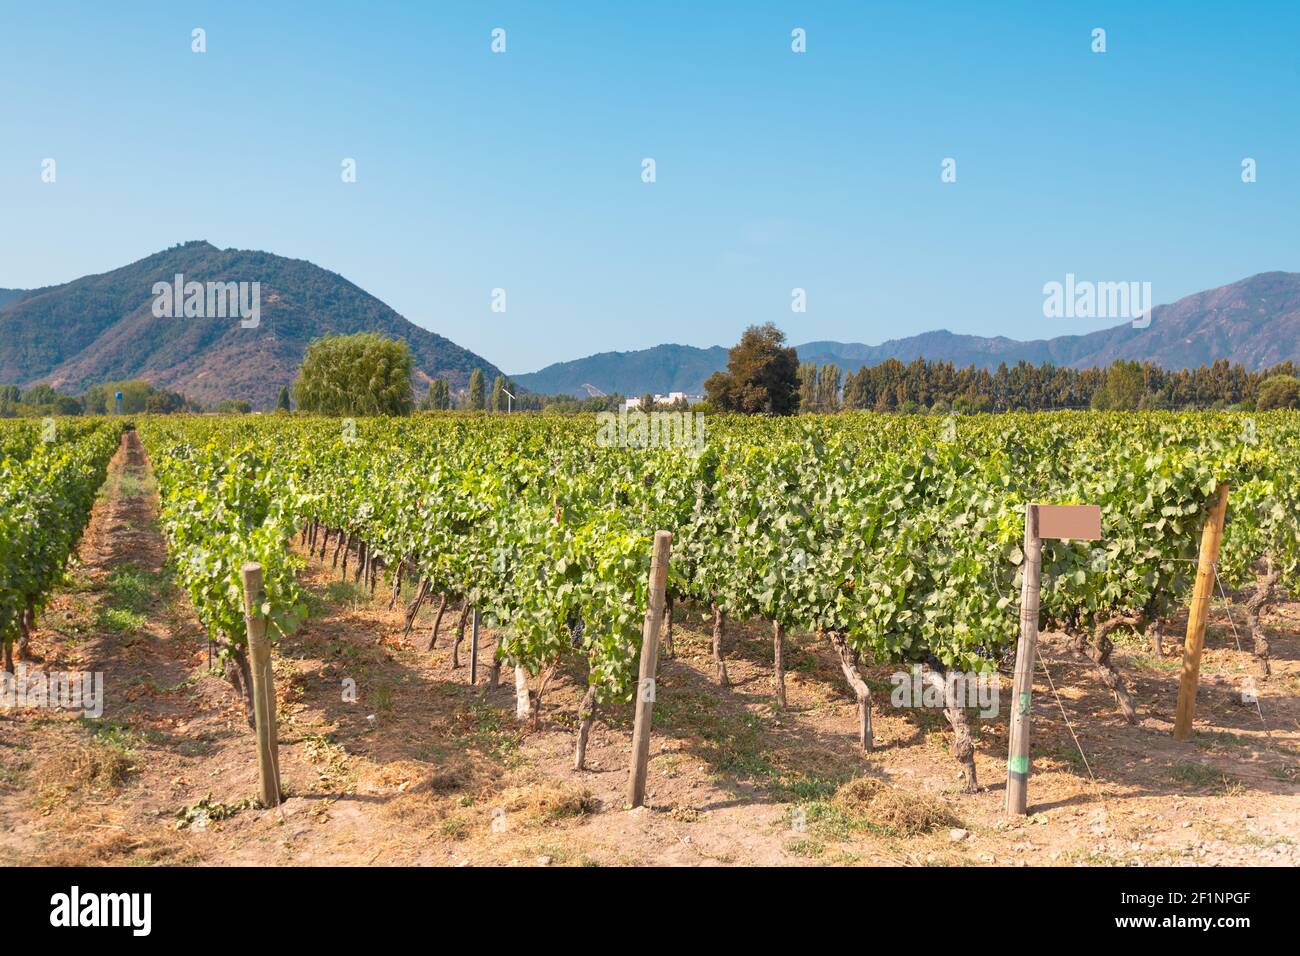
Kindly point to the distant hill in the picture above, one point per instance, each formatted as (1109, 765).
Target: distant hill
(1254, 322)
(662, 369)
(101, 328)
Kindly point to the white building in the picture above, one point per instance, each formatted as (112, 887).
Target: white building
(670, 399)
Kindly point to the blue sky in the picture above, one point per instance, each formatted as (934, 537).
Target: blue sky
(775, 170)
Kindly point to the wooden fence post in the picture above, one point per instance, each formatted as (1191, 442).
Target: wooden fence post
(263, 689)
(645, 691)
(1199, 613)
(1023, 688)
(521, 693)
(473, 649)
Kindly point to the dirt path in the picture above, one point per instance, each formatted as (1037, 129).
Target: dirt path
(419, 767)
(61, 799)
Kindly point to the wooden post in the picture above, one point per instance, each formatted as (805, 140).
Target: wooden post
(778, 662)
(473, 649)
(645, 692)
(1023, 688)
(263, 689)
(521, 693)
(1199, 612)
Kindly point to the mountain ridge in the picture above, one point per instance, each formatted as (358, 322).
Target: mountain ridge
(9, 295)
(672, 368)
(1254, 321)
(101, 328)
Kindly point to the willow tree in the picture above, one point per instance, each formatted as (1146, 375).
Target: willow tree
(362, 374)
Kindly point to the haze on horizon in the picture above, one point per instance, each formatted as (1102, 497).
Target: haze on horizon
(775, 170)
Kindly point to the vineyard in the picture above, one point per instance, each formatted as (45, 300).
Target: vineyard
(885, 541)
(896, 539)
(49, 473)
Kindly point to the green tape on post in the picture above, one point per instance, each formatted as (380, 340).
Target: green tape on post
(1018, 764)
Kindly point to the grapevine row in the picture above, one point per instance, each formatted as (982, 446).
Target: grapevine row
(49, 475)
(896, 539)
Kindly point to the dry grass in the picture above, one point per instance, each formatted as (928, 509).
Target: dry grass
(889, 809)
(452, 777)
(548, 801)
(117, 847)
(333, 769)
(422, 794)
(95, 765)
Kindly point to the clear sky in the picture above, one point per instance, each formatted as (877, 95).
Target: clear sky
(775, 170)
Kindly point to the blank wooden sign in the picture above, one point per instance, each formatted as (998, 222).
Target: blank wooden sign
(1077, 522)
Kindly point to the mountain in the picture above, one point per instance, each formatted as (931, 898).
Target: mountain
(961, 350)
(1254, 322)
(101, 328)
(662, 369)
(8, 295)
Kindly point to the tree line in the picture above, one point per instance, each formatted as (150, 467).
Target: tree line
(137, 396)
(923, 385)
(369, 374)
(764, 376)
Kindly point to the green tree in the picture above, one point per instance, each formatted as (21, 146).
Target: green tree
(476, 400)
(1279, 391)
(282, 401)
(762, 375)
(807, 387)
(39, 395)
(498, 403)
(439, 397)
(1122, 388)
(828, 389)
(163, 402)
(101, 399)
(44, 400)
(362, 374)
